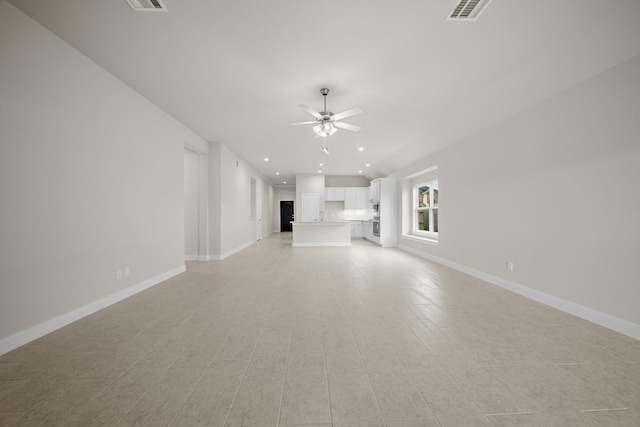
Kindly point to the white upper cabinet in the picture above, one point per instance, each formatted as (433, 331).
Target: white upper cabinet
(375, 190)
(334, 194)
(354, 198)
(362, 198)
(329, 193)
(357, 198)
(350, 198)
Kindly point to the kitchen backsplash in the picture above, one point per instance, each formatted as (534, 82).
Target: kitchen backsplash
(334, 211)
(361, 215)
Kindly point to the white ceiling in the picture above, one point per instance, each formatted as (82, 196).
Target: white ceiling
(236, 71)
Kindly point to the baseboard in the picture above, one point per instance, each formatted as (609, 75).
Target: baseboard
(226, 254)
(191, 257)
(35, 332)
(603, 319)
(324, 244)
(231, 252)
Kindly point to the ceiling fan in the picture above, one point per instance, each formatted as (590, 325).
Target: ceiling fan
(326, 123)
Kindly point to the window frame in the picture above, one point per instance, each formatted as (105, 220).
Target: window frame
(415, 209)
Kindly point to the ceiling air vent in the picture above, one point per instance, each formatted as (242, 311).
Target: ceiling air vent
(467, 10)
(147, 5)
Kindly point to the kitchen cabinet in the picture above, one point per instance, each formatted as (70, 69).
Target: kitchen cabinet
(357, 229)
(362, 198)
(334, 194)
(354, 198)
(329, 194)
(387, 189)
(375, 190)
(350, 198)
(367, 230)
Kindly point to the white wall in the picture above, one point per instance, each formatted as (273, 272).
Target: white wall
(267, 191)
(213, 201)
(237, 225)
(555, 190)
(233, 227)
(91, 181)
(346, 181)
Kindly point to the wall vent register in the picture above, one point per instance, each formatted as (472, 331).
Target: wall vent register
(147, 5)
(467, 10)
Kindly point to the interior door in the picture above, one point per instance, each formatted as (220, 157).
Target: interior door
(286, 215)
(309, 207)
(191, 207)
(258, 217)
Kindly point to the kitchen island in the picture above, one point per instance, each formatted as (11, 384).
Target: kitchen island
(322, 233)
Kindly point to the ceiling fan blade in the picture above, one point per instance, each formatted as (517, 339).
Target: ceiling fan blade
(311, 111)
(303, 123)
(347, 126)
(347, 113)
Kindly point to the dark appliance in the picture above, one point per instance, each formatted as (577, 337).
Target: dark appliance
(376, 227)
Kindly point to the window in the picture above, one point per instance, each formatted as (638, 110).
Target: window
(420, 219)
(425, 209)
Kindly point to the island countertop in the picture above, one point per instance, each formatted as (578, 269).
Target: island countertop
(321, 222)
(321, 233)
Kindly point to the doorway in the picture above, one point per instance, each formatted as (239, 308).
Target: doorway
(286, 215)
(259, 216)
(191, 205)
(196, 175)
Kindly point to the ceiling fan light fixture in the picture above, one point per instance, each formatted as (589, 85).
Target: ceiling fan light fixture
(324, 129)
(326, 123)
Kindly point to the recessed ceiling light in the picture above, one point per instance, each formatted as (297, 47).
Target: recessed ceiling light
(367, 165)
(361, 149)
(284, 182)
(266, 159)
(278, 173)
(359, 171)
(321, 164)
(319, 170)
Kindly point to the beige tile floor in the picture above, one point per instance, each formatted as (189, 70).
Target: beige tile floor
(358, 336)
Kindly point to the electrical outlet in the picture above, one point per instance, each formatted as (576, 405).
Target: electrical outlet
(119, 274)
(510, 265)
(127, 272)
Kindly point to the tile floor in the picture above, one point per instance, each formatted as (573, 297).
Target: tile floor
(358, 336)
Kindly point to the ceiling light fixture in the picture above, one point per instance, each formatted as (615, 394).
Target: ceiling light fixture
(367, 165)
(266, 159)
(278, 173)
(325, 129)
(361, 149)
(326, 123)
